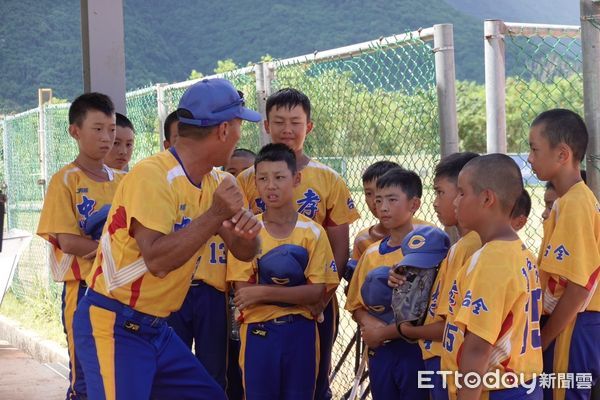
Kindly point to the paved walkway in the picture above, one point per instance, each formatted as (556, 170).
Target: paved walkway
(23, 378)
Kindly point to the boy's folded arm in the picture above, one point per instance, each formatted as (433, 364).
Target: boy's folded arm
(250, 294)
(475, 356)
(74, 244)
(363, 318)
(339, 237)
(433, 331)
(564, 313)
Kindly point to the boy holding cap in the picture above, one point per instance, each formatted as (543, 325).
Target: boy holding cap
(142, 270)
(393, 364)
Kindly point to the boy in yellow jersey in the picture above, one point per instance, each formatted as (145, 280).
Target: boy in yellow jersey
(570, 253)
(392, 367)
(240, 160)
(295, 267)
(430, 334)
(76, 193)
(376, 232)
(322, 196)
(520, 214)
(165, 213)
(494, 304)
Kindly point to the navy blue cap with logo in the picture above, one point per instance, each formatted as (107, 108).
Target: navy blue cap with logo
(377, 295)
(212, 102)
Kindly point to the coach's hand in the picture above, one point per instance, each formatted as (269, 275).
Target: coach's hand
(227, 199)
(243, 224)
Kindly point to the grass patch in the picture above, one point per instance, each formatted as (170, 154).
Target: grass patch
(40, 314)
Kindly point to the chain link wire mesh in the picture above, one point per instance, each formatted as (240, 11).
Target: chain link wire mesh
(143, 112)
(546, 69)
(376, 105)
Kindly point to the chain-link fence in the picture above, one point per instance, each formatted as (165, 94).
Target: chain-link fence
(544, 65)
(371, 101)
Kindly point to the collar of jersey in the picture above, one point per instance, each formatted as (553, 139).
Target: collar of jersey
(385, 248)
(174, 153)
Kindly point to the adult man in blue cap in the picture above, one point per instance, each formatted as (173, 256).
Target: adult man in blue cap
(163, 217)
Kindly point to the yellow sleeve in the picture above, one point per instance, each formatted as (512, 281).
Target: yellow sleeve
(354, 299)
(487, 297)
(572, 250)
(150, 200)
(340, 206)
(247, 185)
(321, 265)
(240, 271)
(58, 212)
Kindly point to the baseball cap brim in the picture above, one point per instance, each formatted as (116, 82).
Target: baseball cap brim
(249, 115)
(422, 260)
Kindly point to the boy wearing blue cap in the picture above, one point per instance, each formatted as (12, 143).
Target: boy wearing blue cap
(164, 215)
(494, 303)
(295, 268)
(431, 332)
(393, 366)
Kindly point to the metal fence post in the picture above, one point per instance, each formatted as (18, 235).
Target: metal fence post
(7, 184)
(44, 98)
(590, 47)
(495, 86)
(443, 46)
(263, 90)
(162, 111)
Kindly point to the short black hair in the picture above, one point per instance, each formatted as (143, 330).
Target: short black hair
(408, 181)
(277, 152)
(550, 186)
(90, 101)
(583, 175)
(522, 206)
(192, 131)
(124, 122)
(500, 174)
(450, 166)
(377, 169)
(239, 152)
(290, 98)
(564, 126)
(167, 125)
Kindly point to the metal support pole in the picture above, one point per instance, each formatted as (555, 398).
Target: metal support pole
(590, 46)
(445, 78)
(495, 86)
(7, 184)
(263, 90)
(44, 98)
(163, 112)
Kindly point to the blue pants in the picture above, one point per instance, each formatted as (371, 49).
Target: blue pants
(279, 359)
(516, 394)
(129, 355)
(202, 319)
(327, 335)
(576, 350)
(393, 371)
(438, 392)
(235, 388)
(72, 294)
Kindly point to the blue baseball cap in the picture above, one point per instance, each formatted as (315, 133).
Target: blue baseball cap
(424, 247)
(212, 102)
(377, 295)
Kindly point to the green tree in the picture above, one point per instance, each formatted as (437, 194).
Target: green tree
(225, 66)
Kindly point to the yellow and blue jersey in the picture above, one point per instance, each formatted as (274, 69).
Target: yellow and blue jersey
(458, 255)
(160, 196)
(378, 254)
(321, 196)
(571, 247)
(497, 296)
(72, 197)
(320, 267)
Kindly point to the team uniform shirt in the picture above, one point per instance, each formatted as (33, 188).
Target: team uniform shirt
(497, 297)
(72, 197)
(159, 195)
(364, 238)
(321, 268)
(458, 255)
(378, 254)
(321, 196)
(571, 247)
